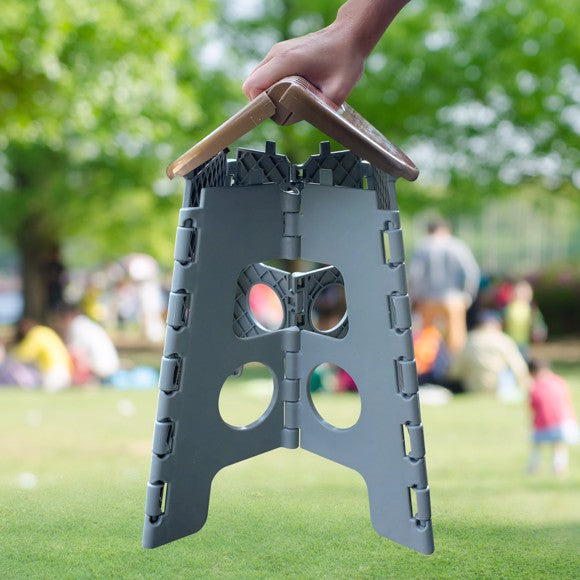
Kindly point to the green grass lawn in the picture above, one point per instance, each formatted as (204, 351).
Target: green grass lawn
(73, 470)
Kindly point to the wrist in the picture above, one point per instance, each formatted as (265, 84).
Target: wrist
(363, 22)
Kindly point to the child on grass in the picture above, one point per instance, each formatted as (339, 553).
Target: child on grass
(554, 421)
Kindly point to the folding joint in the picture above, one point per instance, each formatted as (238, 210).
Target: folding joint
(291, 242)
(296, 306)
(423, 513)
(291, 224)
(407, 382)
(396, 250)
(400, 311)
(416, 472)
(417, 441)
(186, 244)
(291, 394)
(178, 309)
(290, 438)
(163, 437)
(291, 347)
(291, 390)
(154, 499)
(290, 247)
(291, 199)
(291, 415)
(170, 373)
(291, 365)
(297, 174)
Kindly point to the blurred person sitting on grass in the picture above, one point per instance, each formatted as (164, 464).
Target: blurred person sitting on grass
(491, 361)
(553, 417)
(42, 348)
(332, 58)
(91, 349)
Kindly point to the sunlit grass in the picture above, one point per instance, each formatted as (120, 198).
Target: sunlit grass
(73, 468)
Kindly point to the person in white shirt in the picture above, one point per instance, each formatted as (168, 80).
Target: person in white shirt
(89, 341)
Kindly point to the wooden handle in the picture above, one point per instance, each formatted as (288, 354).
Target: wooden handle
(256, 111)
(291, 100)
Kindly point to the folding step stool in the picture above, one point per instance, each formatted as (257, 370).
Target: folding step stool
(334, 209)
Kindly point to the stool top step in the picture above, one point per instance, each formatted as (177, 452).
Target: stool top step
(291, 100)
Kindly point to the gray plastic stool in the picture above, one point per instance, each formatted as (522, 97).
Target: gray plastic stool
(333, 209)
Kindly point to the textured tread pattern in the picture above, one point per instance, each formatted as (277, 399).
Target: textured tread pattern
(255, 167)
(212, 173)
(345, 166)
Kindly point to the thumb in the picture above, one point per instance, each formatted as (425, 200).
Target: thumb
(265, 75)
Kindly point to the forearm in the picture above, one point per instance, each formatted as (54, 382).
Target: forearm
(367, 20)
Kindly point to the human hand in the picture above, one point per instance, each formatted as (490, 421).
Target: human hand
(328, 58)
(333, 58)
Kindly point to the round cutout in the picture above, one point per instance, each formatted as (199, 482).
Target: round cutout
(328, 308)
(246, 395)
(334, 396)
(266, 307)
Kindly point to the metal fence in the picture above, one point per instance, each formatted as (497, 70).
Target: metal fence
(512, 236)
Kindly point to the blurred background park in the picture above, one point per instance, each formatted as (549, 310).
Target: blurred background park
(97, 98)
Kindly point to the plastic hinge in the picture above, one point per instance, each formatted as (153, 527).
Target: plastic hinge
(407, 377)
(290, 438)
(291, 363)
(423, 504)
(178, 309)
(290, 247)
(400, 311)
(291, 224)
(154, 499)
(170, 373)
(291, 390)
(291, 199)
(291, 343)
(291, 410)
(163, 437)
(185, 244)
(396, 249)
(417, 441)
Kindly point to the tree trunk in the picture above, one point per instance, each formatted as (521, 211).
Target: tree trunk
(41, 269)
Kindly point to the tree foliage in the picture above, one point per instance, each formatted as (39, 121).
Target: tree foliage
(96, 98)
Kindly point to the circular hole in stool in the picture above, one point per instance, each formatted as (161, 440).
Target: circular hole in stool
(246, 395)
(328, 309)
(334, 396)
(266, 307)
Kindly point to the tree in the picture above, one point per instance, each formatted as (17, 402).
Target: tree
(96, 99)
